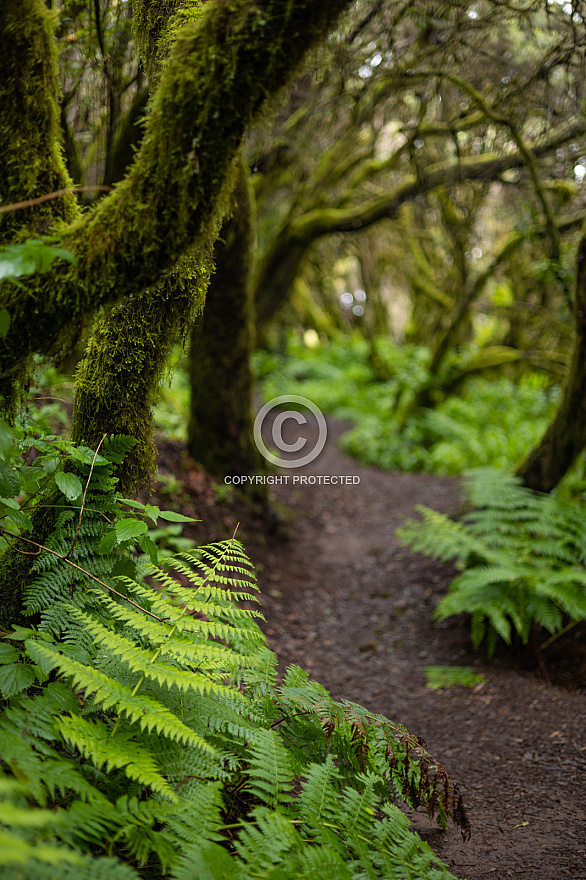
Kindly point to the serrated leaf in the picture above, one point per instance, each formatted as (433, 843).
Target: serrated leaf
(129, 529)
(69, 484)
(8, 654)
(9, 482)
(15, 678)
(171, 516)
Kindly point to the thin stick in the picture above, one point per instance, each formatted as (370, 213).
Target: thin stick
(70, 551)
(29, 203)
(79, 568)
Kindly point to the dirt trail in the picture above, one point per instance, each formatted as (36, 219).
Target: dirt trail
(346, 602)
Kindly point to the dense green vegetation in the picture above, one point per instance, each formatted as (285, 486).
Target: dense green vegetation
(522, 557)
(142, 721)
(492, 422)
(430, 158)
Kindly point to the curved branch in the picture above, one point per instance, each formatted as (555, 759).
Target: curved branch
(280, 264)
(219, 73)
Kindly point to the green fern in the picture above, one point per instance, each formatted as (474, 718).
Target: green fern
(523, 555)
(144, 722)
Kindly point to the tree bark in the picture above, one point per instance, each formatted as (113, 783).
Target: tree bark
(565, 437)
(220, 425)
(220, 70)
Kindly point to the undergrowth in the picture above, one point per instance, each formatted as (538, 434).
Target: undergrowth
(522, 556)
(492, 422)
(143, 731)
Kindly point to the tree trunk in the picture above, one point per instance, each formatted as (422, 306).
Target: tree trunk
(125, 361)
(565, 437)
(220, 426)
(220, 70)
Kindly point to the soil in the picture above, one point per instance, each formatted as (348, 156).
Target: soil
(344, 600)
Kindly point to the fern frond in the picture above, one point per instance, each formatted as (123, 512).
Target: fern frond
(270, 770)
(93, 742)
(148, 713)
(440, 537)
(151, 664)
(201, 818)
(318, 798)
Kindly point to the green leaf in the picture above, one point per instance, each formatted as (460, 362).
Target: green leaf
(29, 257)
(132, 503)
(4, 322)
(108, 542)
(29, 478)
(6, 437)
(129, 529)
(69, 484)
(147, 545)
(8, 504)
(20, 520)
(171, 516)
(9, 482)
(15, 678)
(87, 456)
(153, 512)
(8, 654)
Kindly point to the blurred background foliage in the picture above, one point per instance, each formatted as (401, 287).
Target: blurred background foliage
(419, 195)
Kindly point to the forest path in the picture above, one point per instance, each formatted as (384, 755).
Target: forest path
(342, 599)
(346, 602)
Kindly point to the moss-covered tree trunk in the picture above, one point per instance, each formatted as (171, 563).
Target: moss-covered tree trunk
(125, 361)
(224, 60)
(565, 437)
(220, 426)
(220, 70)
(31, 162)
(126, 357)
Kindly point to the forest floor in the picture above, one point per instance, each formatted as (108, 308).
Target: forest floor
(344, 600)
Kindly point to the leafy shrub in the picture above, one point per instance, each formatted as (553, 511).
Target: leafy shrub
(522, 555)
(490, 423)
(143, 728)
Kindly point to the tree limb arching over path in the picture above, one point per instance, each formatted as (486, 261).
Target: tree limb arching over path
(220, 70)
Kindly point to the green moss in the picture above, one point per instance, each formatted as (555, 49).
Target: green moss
(156, 24)
(126, 359)
(32, 162)
(220, 71)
